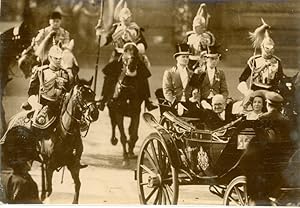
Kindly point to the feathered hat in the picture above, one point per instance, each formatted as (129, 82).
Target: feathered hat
(122, 11)
(261, 36)
(202, 17)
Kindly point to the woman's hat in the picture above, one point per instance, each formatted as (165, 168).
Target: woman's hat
(182, 49)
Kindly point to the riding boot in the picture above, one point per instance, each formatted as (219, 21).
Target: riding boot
(149, 105)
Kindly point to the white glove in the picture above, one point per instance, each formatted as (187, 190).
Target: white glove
(180, 109)
(141, 48)
(195, 96)
(33, 101)
(206, 105)
(243, 88)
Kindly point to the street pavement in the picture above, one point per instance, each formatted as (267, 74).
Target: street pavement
(105, 181)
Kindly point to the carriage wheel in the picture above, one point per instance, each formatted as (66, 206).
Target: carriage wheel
(157, 178)
(236, 192)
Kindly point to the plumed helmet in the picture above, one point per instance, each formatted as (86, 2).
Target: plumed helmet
(202, 17)
(261, 36)
(55, 51)
(124, 14)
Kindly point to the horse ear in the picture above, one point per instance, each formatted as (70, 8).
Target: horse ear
(90, 81)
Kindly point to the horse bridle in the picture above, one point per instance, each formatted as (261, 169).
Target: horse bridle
(83, 108)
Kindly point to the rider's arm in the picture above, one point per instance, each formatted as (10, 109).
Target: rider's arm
(168, 87)
(279, 75)
(34, 83)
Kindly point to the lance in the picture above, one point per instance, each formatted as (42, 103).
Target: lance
(99, 25)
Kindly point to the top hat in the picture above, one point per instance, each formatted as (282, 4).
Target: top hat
(213, 51)
(182, 49)
(55, 15)
(274, 98)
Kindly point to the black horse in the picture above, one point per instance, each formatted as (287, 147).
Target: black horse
(124, 89)
(12, 43)
(57, 148)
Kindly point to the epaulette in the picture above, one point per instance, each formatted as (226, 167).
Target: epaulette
(277, 58)
(43, 67)
(254, 57)
(116, 24)
(188, 33)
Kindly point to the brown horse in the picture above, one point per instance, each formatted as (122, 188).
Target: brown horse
(57, 147)
(125, 87)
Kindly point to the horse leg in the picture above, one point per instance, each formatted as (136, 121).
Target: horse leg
(113, 139)
(74, 170)
(49, 175)
(120, 124)
(133, 134)
(43, 170)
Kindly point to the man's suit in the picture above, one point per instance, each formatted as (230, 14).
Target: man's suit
(218, 86)
(173, 87)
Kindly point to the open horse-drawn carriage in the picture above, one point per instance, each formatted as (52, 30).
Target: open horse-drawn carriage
(178, 153)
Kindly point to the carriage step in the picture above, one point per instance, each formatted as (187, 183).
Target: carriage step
(290, 189)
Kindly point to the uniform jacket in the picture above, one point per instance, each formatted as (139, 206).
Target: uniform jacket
(62, 36)
(172, 84)
(266, 73)
(219, 85)
(120, 34)
(20, 189)
(46, 82)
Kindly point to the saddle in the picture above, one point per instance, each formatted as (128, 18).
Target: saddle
(39, 122)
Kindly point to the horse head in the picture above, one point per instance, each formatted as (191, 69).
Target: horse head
(287, 88)
(130, 57)
(86, 99)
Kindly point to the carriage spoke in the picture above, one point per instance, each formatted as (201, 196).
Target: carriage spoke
(148, 170)
(238, 192)
(167, 195)
(151, 161)
(163, 195)
(158, 197)
(168, 189)
(154, 155)
(246, 194)
(151, 194)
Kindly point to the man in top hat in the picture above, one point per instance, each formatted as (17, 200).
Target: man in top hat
(179, 81)
(200, 39)
(54, 34)
(265, 70)
(214, 80)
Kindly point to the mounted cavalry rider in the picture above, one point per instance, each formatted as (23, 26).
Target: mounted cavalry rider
(265, 70)
(54, 31)
(48, 85)
(200, 39)
(125, 31)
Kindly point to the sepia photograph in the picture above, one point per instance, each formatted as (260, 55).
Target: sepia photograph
(150, 102)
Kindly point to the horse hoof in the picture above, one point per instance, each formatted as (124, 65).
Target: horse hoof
(75, 202)
(125, 163)
(114, 141)
(43, 196)
(132, 156)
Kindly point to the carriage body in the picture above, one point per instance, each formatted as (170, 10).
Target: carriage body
(181, 154)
